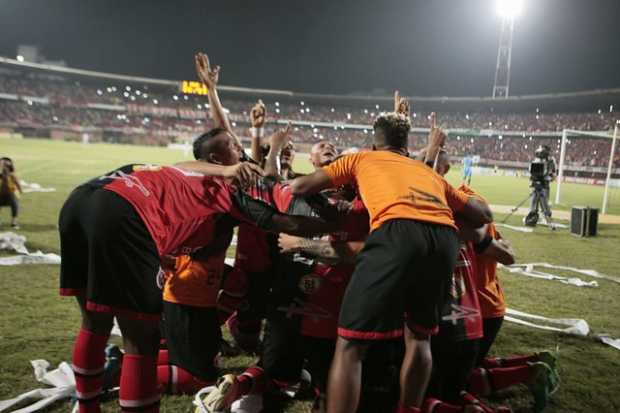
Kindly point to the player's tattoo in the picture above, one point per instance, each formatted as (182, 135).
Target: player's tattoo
(322, 249)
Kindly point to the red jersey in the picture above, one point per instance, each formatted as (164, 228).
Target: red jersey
(178, 207)
(326, 285)
(461, 318)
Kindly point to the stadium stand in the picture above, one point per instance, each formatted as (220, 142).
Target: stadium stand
(62, 103)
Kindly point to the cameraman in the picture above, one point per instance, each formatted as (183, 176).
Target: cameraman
(9, 189)
(540, 183)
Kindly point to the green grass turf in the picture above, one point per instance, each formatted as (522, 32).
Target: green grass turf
(36, 323)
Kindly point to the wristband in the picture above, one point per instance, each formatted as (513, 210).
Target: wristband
(257, 132)
(483, 245)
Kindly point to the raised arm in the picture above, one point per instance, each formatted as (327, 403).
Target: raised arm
(257, 131)
(210, 77)
(276, 143)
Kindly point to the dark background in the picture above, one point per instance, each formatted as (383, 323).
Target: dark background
(422, 47)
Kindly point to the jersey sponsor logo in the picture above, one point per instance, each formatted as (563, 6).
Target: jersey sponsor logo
(416, 195)
(460, 312)
(301, 308)
(309, 284)
(130, 181)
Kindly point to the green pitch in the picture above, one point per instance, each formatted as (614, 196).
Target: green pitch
(36, 323)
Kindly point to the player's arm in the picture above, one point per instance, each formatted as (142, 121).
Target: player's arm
(270, 219)
(324, 250)
(311, 184)
(276, 143)
(210, 77)
(243, 174)
(257, 118)
(499, 249)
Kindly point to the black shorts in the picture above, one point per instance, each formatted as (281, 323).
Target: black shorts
(108, 255)
(453, 362)
(403, 269)
(193, 337)
(286, 351)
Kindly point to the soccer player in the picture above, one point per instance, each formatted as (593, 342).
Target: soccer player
(10, 189)
(495, 373)
(406, 262)
(113, 231)
(455, 347)
(467, 169)
(322, 153)
(309, 281)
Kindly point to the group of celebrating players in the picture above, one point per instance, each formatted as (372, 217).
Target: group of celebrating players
(372, 274)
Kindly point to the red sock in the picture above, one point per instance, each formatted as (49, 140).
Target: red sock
(504, 377)
(515, 361)
(404, 409)
(252, 380)
(479, 382)
(138, 392)
(162, 357)
(432, 405)
(88, 363)
(175, 380)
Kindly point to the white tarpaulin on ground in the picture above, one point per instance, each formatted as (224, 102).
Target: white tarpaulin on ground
(63, 387)
(514, 228)
(11, 241)
(572, 326)
(33, 187)
(528, 269)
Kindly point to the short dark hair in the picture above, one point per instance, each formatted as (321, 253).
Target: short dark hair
(9, 163)
(395, 129)
(200, 141)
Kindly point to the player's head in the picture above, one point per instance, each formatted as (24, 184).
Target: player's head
(217, 146)
(323, 153)
(287, 155)
(7, 163)
(443, 163)
(391, 131)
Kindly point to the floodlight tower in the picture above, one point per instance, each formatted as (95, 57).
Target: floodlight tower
(508, 10)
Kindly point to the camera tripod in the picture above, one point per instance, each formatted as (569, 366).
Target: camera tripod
(539, 203)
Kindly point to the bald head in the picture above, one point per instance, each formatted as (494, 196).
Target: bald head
(322, 153)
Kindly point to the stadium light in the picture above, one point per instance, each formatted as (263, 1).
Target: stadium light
(20, 58)
(509, 8)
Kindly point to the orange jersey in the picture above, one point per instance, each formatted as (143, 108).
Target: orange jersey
(393, 186)
(490, 293)
(195, 282)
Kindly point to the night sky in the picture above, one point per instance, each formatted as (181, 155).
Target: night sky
(422, 47)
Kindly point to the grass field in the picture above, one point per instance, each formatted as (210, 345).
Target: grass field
(36, 323)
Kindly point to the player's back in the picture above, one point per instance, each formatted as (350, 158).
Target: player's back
(173, 204)
(393, 186)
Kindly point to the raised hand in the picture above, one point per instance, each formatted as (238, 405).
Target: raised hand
(257, 114)
(207, 75)
(436, 137)
(401, 105)
(280, 137)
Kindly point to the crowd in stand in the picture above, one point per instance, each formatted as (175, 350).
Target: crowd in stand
(48, 102)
